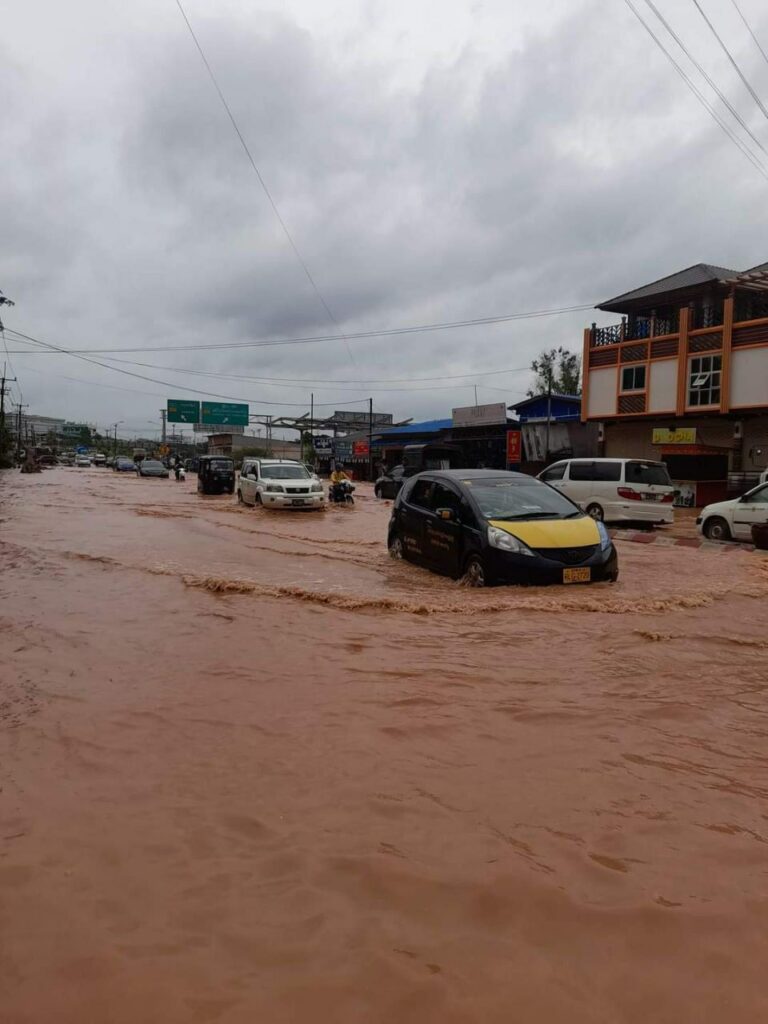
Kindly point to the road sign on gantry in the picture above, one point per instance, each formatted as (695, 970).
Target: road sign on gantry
(182, 411)
(224, 414)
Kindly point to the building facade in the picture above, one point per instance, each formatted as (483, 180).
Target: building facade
(683, 377)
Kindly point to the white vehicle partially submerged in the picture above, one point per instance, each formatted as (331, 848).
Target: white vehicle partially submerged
(733, 520)
(279, 483)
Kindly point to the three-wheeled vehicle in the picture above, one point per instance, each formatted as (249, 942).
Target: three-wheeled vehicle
(216, 475)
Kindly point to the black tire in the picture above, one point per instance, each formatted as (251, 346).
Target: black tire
(474, 574)
(240, 497)
(596, 511)
(396, 548)
(377, 492)
(716, 528)
(257, 499)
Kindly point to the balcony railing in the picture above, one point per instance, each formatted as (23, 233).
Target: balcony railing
(639, 329)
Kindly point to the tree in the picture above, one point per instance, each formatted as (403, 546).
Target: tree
(556, 369)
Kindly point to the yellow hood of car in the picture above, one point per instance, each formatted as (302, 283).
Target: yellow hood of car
(552, 533)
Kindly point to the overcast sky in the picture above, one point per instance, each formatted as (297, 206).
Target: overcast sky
(434, 160)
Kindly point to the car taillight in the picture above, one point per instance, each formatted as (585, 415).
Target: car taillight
(630, 494)
(667, 499)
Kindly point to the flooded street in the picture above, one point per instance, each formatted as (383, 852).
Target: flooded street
(254, 770)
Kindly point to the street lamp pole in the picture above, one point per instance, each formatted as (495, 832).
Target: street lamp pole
(114, 446)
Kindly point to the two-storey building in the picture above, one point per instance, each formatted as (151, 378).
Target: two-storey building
(683, 377)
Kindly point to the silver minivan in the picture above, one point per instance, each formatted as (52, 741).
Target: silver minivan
(616, 490)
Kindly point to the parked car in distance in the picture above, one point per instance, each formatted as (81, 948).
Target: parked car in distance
(279, 483)
(99, 459)
(489, 526)
(389, 483)
(82, 461)
(215, 475)
(616, 490)
(734, 519)
(151, 467)
(124, 465)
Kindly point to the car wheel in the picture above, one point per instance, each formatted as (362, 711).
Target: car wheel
(377, 492)
(396, 549)
(596, 511)
(474, 573)
(240, 497)
(716, 528)
(257, 499)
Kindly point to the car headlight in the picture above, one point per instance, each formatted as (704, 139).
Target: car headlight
(605, 538)
(317, 488)
(506, 542)
(275, 489)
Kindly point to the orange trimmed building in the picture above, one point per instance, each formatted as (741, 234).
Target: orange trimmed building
(683, 377)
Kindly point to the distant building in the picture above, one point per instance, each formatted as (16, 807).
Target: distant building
(552, 429)
(235, 445)
(683, 377)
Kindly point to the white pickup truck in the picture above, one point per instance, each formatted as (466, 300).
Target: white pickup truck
(279, 483)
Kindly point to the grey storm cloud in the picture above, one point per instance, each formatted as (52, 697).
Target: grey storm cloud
(563, 171)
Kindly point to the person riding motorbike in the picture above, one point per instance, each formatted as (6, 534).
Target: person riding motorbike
(341, 484)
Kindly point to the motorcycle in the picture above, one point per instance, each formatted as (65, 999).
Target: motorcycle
(341, 493)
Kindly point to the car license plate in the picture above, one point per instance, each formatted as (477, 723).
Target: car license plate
(297, 501)
(577, 575)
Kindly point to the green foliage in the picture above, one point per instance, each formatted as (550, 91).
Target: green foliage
(558, 369)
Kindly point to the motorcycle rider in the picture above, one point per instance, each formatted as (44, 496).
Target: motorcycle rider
(338, 479)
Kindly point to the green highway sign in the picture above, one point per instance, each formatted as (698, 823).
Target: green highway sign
(224, 414)
(182, 411)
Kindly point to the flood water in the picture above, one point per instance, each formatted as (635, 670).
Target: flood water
(253, 770)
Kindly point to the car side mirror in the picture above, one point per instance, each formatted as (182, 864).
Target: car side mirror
(447, 514)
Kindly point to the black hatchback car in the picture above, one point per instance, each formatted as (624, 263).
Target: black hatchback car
(215, 475)
(489, 526)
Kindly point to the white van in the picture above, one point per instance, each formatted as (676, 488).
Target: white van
(279, 483)
(616, 490)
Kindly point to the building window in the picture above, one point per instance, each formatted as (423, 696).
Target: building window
(704, 380)
(633, 378)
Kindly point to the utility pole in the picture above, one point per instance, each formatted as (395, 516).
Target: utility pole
(312, 423)
(18, 427)
(549, 415)
(370, 438)
(3, 392)
(163, 414)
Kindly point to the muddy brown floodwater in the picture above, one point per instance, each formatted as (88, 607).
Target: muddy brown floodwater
(253, 770)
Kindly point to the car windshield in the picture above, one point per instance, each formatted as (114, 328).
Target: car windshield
(647, 473)
(284, 472)
(125, 462)
(500, 498)
(152, 464)
(220, 464)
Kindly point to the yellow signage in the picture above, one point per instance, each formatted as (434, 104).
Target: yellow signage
(683, 435)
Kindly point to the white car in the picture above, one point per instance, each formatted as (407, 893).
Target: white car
(733, 520)
(279, 483)
(82, 461)
(616, 490)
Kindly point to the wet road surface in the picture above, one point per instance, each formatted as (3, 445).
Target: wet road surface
(253, 770)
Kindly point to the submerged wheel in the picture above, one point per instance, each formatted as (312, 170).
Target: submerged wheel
(396, 549)
(240, 497)
(377, 492)
(474, 573)
(596, 511)
(257, 498)
(716, 528)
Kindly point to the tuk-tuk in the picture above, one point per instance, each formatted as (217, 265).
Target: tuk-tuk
(216, 475)
(419, 457)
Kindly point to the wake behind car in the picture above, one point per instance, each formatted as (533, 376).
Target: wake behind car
(733, 520)
(151, 467)
(279, 483)
(489, 527)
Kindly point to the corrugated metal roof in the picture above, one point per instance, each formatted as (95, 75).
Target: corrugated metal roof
(538, 398)
(427, 427)
(699, 273)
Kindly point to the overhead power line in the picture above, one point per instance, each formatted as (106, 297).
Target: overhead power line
(730, 57)
(262, 182)
(698, 94)
(751, 32)
(316, 338)
(712, 84)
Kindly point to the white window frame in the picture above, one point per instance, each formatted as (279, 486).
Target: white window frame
(634, 389)
(704, 379)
